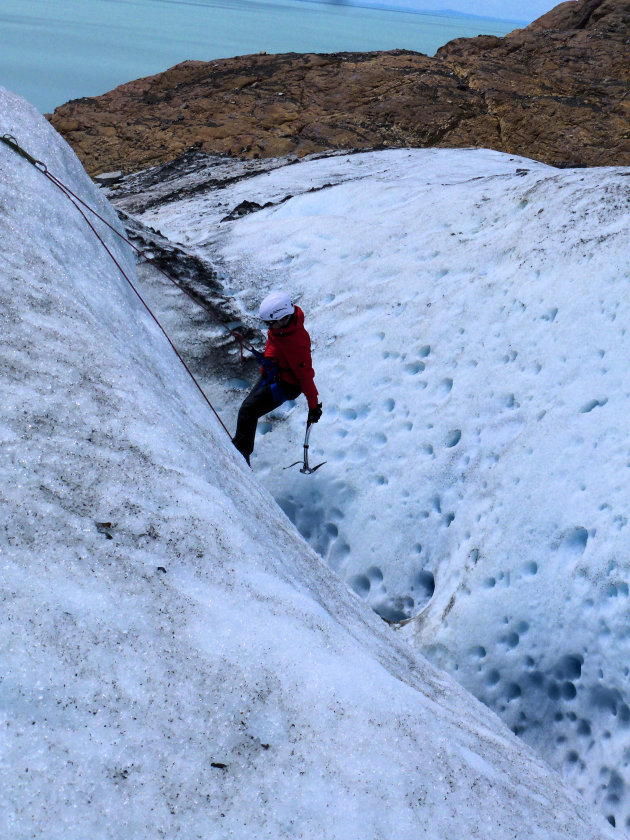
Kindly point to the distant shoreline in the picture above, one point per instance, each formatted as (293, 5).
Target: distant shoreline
(449, 13)
(409, 10)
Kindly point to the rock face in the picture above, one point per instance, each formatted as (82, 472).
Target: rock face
(269, 106)
(556, 91)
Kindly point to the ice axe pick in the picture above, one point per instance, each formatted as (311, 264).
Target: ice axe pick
(305, 467)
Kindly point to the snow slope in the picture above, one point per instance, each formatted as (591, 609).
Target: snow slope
(470, 318)
(176, 661)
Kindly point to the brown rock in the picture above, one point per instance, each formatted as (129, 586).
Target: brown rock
(556, 91)
(559, 88)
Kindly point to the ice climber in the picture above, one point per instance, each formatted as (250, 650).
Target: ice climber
(286, 370)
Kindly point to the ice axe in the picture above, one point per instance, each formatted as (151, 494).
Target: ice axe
(305, 467)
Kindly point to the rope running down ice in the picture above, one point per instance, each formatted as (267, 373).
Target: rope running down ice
(10, 141)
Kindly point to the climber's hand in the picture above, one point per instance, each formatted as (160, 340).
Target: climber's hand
(314, 414)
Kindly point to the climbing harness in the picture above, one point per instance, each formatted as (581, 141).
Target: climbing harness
(305, 467)
(270, 377)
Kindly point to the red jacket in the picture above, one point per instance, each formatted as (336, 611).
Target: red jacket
(290, 349)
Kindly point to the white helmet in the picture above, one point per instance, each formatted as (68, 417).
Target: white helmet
(275, 306)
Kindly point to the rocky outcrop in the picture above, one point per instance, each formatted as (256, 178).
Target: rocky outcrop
(559, 89)
(556, 91)
(274, 105)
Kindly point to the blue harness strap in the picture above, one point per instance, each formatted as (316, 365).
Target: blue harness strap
(277, 393)
(270, 374)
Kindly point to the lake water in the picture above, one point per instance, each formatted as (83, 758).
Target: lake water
(55, 50)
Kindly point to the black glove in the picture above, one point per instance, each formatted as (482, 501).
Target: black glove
(314, 414)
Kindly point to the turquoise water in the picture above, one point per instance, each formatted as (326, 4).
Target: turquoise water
(55, 50)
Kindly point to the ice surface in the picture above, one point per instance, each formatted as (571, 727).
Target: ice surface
(176, 661)
(470, 317)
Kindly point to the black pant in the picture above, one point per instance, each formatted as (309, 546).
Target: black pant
(261, 400)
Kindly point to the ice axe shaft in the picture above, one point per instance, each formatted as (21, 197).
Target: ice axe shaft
(305, 467)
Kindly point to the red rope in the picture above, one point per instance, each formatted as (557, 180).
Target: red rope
(237, 336)
(10, 141)
(70, 196)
